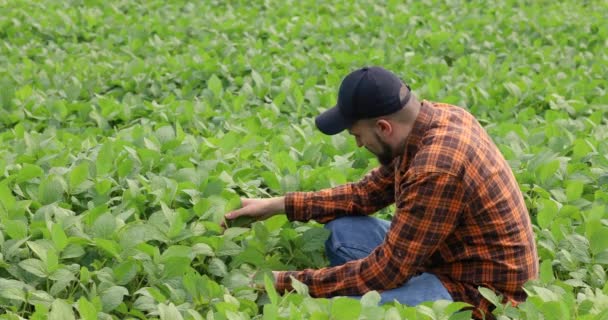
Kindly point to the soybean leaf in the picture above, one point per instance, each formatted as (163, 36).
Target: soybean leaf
(112, 297)
(86, 309)
(61, 310)
(169, 312)
(59, 237)
(34, 266)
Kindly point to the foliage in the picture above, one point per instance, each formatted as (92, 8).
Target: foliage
(128, 128)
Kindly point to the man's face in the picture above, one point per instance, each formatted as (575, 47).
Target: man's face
(366, 137)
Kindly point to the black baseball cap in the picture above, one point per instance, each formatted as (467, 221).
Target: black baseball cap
(365, 93)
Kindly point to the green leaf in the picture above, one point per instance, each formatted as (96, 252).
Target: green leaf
(490, 296)
(314, 239)
(257, 78)
(217, 267)
(12, 289)
(105, 159)
(546, 294)
(271, 312)
(59, 238)
(546, 271)
(177, 251)
(103, 186)
(215, 85)
(242, 221)
(125, 272)
(7, 200)
(228, 248)
(78, 176)
(72, 251)
(271, 180)
(176, 267)
(547, 170)
(112, 297)
(16, 229)
(202, 249)
(270, 290)
(574, 190)
(86, 309)
(192, 282)
(104, 226)
(370, 299)
(134, 234)
(61, 310)
(555, 310)
(462, 315)
(165, 134)
(12, 249)
(453, 307)
(39, 297)
(34, 266)
(345, 308)
(169, 312)
(28, 172)
(513, 89)
(40, 248)
(156, 294)
(581, 148)
(108, 246)
(52, 261)
(300, 287)
(546, 213)
(62, 277)
(85, 275)
(236, 279)
(51, 190)
(599, 241)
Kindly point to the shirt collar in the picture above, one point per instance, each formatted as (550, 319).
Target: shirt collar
(419, 130)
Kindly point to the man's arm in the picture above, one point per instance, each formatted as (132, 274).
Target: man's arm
(427, 213)
(375, 191)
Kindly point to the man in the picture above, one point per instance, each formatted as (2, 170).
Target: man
(460, 220)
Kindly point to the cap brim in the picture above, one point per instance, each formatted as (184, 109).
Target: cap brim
(332, 121)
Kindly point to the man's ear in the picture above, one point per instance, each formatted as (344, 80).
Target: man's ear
(383, 127)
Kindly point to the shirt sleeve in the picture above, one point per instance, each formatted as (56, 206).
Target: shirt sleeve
(427, 213)
(375, 191)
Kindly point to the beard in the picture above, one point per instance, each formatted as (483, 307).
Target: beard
(386, 155)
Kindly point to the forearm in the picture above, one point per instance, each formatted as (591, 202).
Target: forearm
(376, 272)
(321, 206)
(374, 192)
(276, 205)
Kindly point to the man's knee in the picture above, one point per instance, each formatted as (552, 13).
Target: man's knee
(358, 225)
(339, 223)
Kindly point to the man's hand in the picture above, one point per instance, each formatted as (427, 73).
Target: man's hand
(258, 209)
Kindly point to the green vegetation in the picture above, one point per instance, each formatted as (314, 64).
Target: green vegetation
(128, 128)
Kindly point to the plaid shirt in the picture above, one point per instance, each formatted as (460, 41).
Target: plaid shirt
(459, 215)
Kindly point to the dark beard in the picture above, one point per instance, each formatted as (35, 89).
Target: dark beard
(386, 156)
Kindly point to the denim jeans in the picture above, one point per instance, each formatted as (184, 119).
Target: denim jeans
(355, 237)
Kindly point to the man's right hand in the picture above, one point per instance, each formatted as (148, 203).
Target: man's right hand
(258, 209)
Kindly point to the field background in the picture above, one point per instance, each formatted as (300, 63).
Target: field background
(128, 128)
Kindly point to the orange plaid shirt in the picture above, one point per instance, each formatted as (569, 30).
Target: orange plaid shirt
(459, 215)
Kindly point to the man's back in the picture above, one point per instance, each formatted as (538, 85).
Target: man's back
(492, 243)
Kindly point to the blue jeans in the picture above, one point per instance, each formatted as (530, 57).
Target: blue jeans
(354, 238)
